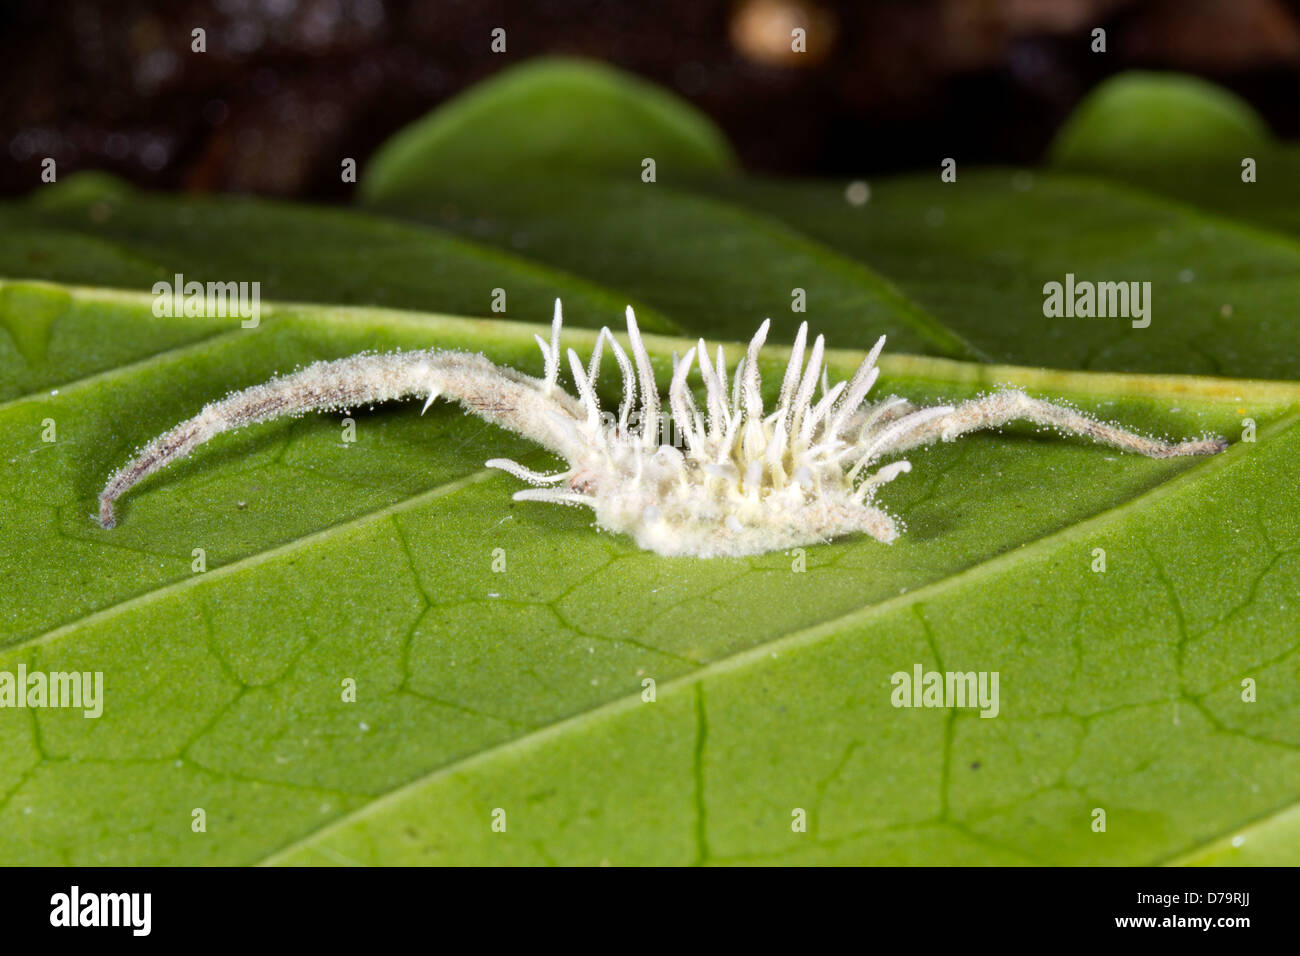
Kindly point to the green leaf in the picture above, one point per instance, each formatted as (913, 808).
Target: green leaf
(1188, 139)
(955, 269)
(1149, 122)
(690, 256)
(95, 230)
(521, 690)
(569, 191)
(551, 115)
(1163, 690)
(978, 253)
(952, 270)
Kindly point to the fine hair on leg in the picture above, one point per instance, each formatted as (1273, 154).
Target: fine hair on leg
(1002, 408)
(499, 395)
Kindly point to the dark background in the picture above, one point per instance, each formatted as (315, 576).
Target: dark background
(288, 87)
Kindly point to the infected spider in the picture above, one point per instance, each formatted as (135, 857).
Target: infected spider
(747, 481)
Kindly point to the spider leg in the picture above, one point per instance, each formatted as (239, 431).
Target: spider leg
(526, 474)
(1001, 408)
(869, 418)
(501, 396)
(553, 496)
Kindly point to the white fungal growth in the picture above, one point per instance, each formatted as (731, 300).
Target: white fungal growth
(745, 481)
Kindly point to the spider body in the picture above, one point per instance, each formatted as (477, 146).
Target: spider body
(746, 480)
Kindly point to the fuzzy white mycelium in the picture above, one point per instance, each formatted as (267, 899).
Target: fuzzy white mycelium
(746, 481)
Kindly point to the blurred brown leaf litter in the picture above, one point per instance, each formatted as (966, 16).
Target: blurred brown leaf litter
(287, 88)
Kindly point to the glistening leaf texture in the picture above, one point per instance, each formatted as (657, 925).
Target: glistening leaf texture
(523, 689)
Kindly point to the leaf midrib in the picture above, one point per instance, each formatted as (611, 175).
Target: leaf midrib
(901, 364)
(1258, 824)
(194, 347)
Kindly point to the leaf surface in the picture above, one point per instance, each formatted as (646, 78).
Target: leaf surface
(373, 562)
(330, 564)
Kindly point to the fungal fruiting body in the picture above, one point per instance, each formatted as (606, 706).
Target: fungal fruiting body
(744, 481)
